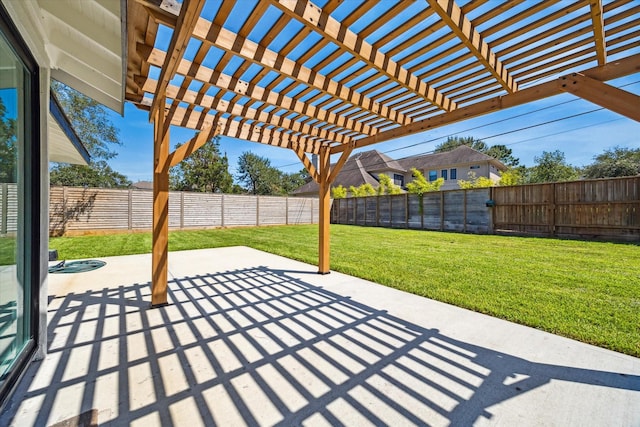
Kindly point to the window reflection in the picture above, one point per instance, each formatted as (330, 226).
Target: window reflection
(13, 294)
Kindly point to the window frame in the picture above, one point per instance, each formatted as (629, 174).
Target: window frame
(32, 188)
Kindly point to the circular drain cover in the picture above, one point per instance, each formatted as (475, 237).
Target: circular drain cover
(76, 266)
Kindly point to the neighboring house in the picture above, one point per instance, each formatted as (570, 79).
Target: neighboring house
(454, 165)
(364, 168)
(142, 185)
(361, 168)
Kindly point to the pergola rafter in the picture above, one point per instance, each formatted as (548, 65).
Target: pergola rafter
(331, 77)
(453, 16)
(331, 29)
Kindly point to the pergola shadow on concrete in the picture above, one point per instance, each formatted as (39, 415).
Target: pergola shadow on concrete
(326, 79)
(255, 339)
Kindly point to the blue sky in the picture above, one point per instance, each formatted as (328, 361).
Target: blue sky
(580, 138)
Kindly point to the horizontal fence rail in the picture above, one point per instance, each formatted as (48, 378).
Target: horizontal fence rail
(74, 210)
(607, 209)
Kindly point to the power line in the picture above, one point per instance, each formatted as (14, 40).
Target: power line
(500, 134)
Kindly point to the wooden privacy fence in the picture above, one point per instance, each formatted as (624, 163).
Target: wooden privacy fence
(604, 209)
(75, 210)
(8, 208)
(601, 208)
(455, 210)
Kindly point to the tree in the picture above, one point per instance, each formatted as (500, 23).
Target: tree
(94, 128)
(257, 174)
(420, 185)
(292, 181)
(498, 151)
(98, 174)
(90, 121)
(513, 176)
(504, 154)
(8, 152)
(551, 167)
(362, 191)
(339, 192)
(475, 182)
(205, 170)
(387, 186)
(456, 141)
(615, 162)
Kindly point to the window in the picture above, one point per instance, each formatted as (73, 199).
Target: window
(398, 179)
(20, 196)
(443, 174)
(454, 173)
(475, 167)
(433, 175)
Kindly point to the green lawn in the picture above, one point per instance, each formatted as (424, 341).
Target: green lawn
(588, 291)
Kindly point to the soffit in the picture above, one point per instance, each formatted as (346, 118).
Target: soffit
(84, 44)
(349, 74)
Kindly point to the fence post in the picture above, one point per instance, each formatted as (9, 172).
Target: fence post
(421, 210)
(464, 218)
(64, 208)
(355, 211)
(222, 211)
(492, 211)
(442, 211)
(257, 211)
(181, 209)
(553, 210)
(406, 210)
(5, 208)
(129, 211)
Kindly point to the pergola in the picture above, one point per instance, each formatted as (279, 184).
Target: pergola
(331, 77)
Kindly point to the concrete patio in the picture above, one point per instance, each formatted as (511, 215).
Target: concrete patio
(255, 339)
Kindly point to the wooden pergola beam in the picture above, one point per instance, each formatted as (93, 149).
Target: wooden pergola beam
(602, 94)
(609, 71)
(222, 106)
(186, 149)
(223, 81)
(313, 172)
(597, 20)
(184, 26)
(323, 23)
(242, 129)
(228, 41)
(452, 15)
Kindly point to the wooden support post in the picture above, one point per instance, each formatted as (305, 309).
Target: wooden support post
(160, 239)
(325, 203)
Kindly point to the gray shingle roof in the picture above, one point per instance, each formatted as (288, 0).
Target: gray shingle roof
(359, 167)
(459, 155)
